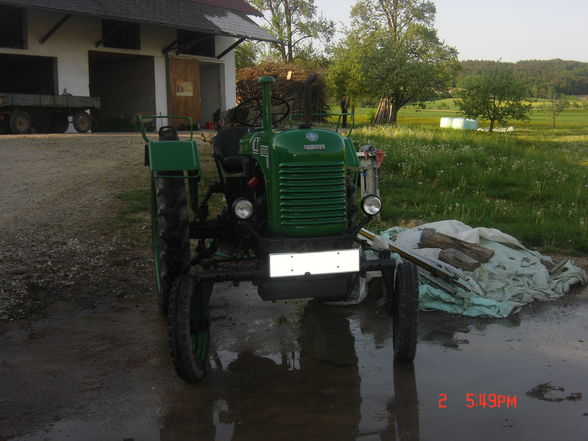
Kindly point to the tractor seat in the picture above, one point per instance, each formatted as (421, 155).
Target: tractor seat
(226, 148)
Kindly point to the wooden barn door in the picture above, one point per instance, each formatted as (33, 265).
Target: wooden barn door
(184, 88)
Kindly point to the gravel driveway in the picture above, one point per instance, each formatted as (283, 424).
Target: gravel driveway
(57, 205)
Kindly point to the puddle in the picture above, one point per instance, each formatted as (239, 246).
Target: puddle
(330, 375)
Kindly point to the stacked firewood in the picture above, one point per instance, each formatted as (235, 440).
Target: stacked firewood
(289, 85)
(458, 253)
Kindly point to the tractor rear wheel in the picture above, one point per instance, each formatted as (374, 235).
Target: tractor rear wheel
(402, 303)
(170, 234)
(189, 327)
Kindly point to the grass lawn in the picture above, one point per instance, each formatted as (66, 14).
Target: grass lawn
(531, 183)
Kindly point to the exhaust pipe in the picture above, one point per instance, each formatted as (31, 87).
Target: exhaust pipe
(307, 100)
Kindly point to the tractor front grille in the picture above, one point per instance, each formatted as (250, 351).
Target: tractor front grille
(312, 193)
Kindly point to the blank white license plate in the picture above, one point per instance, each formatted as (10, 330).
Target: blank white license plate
(321, 262)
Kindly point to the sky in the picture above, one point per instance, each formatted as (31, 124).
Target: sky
(507, 30)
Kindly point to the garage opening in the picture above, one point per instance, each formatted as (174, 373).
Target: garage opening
(126, 87)
(210, 92)
(28, 74)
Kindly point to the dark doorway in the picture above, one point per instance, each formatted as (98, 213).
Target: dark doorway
(28, 74)
(126, 87)
(210, 91)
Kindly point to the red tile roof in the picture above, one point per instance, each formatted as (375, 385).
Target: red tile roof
(235, 5)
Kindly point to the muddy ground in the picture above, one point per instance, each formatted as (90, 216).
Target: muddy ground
(84, 352)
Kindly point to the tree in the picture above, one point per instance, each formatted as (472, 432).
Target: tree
(245, 55)
(414, 68)
(295, 23)
(344, 74)
(394, 54)
(542, 76)
(555, 105)
(393, 16)
(496, 95)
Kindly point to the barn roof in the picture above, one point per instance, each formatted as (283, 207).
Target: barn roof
(220, 17)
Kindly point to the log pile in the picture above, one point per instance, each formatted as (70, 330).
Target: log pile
(383, 112)
(289, 89)
(458, 253)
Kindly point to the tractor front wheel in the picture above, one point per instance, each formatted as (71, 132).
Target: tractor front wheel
(189, 327)
(402, 303)
(170, 234)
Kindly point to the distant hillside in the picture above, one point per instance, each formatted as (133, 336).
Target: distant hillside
(567, 77)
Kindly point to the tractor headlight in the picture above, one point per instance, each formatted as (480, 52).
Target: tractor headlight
(242, 208)
(371, 204)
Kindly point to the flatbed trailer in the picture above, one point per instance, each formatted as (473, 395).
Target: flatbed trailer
(20, 113)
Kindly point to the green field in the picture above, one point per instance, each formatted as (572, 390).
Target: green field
(435, 110)
(531, 183)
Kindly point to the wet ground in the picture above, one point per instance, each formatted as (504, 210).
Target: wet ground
(93, 364)
(295, 371)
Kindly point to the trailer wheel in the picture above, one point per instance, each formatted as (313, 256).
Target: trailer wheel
(20, 122)
(59, 122)
(189, 327)
(82, 121)
(170, 234)
(402, 303)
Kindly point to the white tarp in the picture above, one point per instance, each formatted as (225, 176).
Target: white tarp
(512, 277)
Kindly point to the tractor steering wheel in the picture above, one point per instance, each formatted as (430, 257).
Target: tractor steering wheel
(249, 112)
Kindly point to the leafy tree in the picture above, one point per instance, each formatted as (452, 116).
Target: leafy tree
(344, 75)
(412, 69)
(394, 54)
(295, 23)
(245, 55)
(555, 106)
(542, 76)
(496, 95)
(393, 16)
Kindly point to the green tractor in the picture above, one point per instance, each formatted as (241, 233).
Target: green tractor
(290, 226)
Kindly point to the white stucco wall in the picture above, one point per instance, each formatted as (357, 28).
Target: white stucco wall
(229, 76)
(71, 43)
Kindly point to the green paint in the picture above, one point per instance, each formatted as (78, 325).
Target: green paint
(305, 173)
(266, 93)
(173, 155)
(155, 236)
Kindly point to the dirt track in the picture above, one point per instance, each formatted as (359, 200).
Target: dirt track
(84, 353)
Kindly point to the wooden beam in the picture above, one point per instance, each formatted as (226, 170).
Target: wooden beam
(54, 29)
(458, 259)
(170, 46)
(187, 43)
(230, 48)
(432, 239)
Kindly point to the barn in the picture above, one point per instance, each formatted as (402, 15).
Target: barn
(168, 57)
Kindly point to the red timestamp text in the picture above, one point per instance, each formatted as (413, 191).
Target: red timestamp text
(492, 401)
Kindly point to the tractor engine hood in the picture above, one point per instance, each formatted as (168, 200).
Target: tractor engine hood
(307, 183)
(309, 145)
